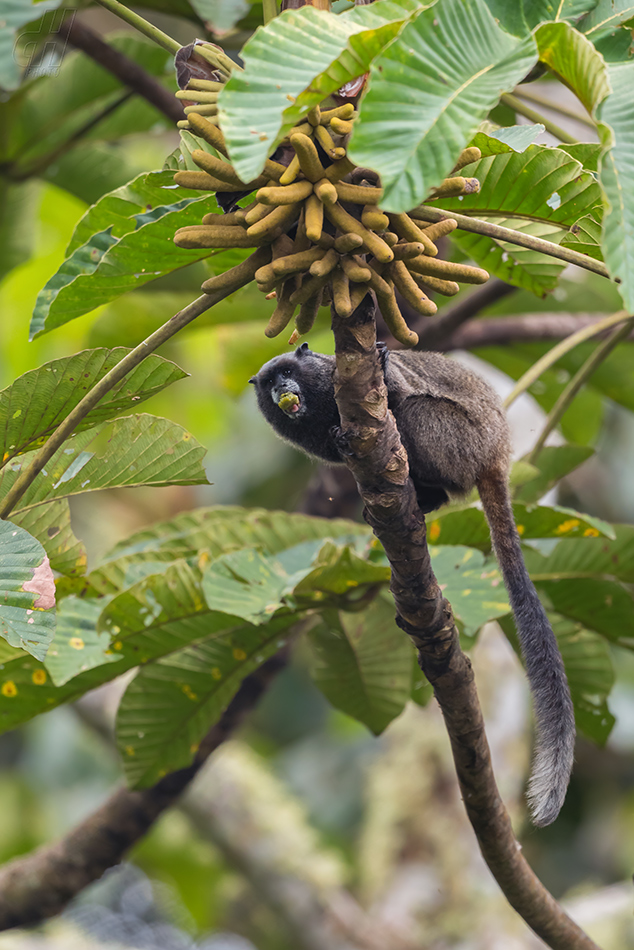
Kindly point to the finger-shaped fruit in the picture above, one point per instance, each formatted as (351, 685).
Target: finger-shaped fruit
(290, 172)
(441, 229)
(202, 235)
(348, 242)
(310, 286)
(448, 288)
(341, 292)
(200, 181)
(394, 319)
(275, 223)
(355, 269)
(374, 219)
(256, 213)
(205, 85)
(463, 273)
(202, 108)
(403, 252)
(455, 186)
(340, 112)
(410, 290)
(409, 231)
(314, 116)
(313, 218)
(281, 316)
(223, 170)
(468, 155)
(340, 126)
(326, 191)
(339, 170)
(219, 219)
(325, 265)
(324, 138)
(308, 156)
(239, 275)
(347, 223)
(207, 131)
(308, 312)
(296, 263)
(285, 194)
(358, 194)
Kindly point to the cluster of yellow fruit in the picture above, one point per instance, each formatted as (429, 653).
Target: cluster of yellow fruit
(318, 229)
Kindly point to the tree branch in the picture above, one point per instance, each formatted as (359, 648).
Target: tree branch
(379, 463)
(40, 885)
(525, 328)
(125, 69)
(518, 106)
(433, 333)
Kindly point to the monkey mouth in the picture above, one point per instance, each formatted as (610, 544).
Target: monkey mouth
(289, 403)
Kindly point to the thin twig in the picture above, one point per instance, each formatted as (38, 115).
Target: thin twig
(116, 374)
(554, 106)
(125, 69)
(142, 25)
(549, 359)
(498, 233)
(518, 106)
(581, 376)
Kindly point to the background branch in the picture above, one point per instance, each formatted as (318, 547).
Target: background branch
(125, 69)
(378, 461)
(40, 884)
(527, 328)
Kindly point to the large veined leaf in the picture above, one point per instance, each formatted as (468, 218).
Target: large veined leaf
(77, 645)
(472, 586)
(585, 237)
(16, 14)
(293, 63)
(522, 16)
(33, 406)
(362, 663)
(601, 605)
(141, 450)
(106, 266)
(217, 530)
(617, 177)
(27, 593)
(161, 614)
(468, 526)
(541, 192)
(589, 557)
(573, 58)
(50, 524)
(246, 584)
(429, 91)
(606, 16)
(170, 705)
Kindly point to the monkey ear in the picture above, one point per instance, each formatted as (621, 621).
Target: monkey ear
(252, 380)
(301, 350)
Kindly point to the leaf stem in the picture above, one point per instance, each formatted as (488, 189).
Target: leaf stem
(554, 106)
(269, 10)
(518, 106)
(132, 359)
(549, 359)
(498, 233)
(583, 373)
(142, 25)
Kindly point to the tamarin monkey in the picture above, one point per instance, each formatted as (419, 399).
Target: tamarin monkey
(453, 427)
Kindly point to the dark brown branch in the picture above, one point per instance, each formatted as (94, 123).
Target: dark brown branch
(379, 463)
(529, 328)
(432, 333)
(40, 884)
(125, 69)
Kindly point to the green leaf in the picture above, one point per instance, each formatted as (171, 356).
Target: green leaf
(16, 14)
(553, 463)
(617, 177)
(600, 605)
(585, 237)
(519, 18)
(141, 450)
(606, 16)
(339, 570)
(472, 586)
(588, 153)
(541, 192)
(218, 531)
(590, 677)
(50, 525)
(37, 402)
(299, 58)
(18, 209)
(106, 266)
(589, 558)
(77, 646)
(27, 592)
(220, 15)
(574, 60)
(245, 584)
(468, 526)
(429, 91)
(517, 137)
(170, 706)
(362, 663)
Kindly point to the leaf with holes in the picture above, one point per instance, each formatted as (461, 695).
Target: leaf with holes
(472, 585)
(428, 93)
(77, 645)
(50, 525)
(27, 592)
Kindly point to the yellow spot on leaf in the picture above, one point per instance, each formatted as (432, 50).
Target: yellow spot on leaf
(239, 654)
(567, 526)
(591, 533)
(5, 456)
(129, 750)
(76, 643)
(521, 529)
(466, 592)
(194, 747)
(39, 677)
(118, 645)
(433, 532)
(186, 688)
(216, 674)
(9, 689)
(186, 436)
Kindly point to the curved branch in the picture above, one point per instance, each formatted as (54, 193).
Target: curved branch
(125, 69)
(379, 463)
(40, 885)
(533, 328)
(498, 233)
(142, 25)
(518, 106)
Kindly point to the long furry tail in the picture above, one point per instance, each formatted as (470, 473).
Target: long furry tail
(554, 715)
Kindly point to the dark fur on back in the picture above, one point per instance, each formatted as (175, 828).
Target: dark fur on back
(453, 427)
